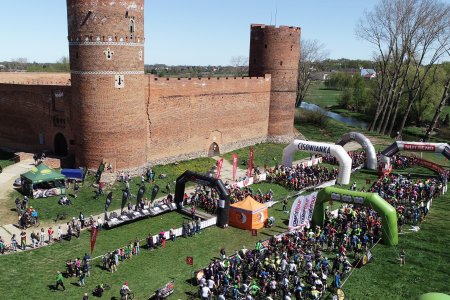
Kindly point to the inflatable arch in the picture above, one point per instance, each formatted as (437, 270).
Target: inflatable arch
(371, 162)
(387, 153)
(345, 162)
(224, 202)
(385, 210)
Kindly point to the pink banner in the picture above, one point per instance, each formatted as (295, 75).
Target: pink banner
(219, 167)
(250, 163)
(235, 164)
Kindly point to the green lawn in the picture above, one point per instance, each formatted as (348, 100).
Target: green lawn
(318, 94)
(427, 262)
(48, 208)
(6, 158)
(428, 258)
(264, 154)
(145, 273)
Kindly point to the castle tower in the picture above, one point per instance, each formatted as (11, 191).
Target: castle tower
(106, 46)
(276, 50)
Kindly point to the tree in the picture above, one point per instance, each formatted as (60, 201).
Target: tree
(409, 36)
(311, 54)
(240, 64)
(444, 98)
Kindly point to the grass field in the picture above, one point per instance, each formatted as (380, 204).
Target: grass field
(48, 208)
(264, 154)
(428, 258)
(145, 272)
(318, 94)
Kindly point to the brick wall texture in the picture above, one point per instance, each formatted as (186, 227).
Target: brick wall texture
(147, 119)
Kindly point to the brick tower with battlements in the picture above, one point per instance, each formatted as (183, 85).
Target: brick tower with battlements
(276, 51)
(108, 108)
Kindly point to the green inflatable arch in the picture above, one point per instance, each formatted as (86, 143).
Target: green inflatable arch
(373, 200)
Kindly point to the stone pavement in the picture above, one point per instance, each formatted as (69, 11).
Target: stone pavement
(7, 177)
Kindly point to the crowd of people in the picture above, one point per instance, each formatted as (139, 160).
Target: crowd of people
(300, 177)
(301, 264)
(409, 196)
(358, 158)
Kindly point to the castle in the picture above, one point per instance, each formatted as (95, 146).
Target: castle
(109, 110)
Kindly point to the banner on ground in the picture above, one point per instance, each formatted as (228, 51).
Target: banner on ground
(250, 163)
(250, 181)
(235, 164)
(302, 210)
(311, 162)
(219, 167)
(94, 233)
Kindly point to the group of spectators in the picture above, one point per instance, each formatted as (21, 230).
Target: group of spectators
(300, 177)
(409, 196)
(301, 264)
(358, 158)
(80, 268)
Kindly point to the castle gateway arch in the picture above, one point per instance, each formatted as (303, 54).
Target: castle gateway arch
(345, 162)
(389, 230)
(371, 162)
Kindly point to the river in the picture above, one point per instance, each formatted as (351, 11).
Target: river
(347, 120)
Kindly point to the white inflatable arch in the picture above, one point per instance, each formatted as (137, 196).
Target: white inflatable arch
(345, 162)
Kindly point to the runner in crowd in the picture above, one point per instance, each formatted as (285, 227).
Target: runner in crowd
(301, 263)
(299, 177)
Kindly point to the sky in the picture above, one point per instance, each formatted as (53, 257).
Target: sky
(191, 32)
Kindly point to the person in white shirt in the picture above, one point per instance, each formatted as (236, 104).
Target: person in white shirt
(59, 233)
(205, 293)
(210, 284)
(99, 223)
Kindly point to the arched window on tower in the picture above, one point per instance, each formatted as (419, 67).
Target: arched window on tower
(132, 28)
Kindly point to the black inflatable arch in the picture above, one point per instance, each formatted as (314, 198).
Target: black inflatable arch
(217, 184)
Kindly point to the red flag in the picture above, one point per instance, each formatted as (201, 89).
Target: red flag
(94, 233)
(235, 164)
(219, 167)
(250, 163)
(190, 260)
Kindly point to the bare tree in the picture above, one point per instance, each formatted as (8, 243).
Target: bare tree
(409, 36)
(311, 53)
(240, 63)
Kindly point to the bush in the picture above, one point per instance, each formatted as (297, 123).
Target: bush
(315, 117)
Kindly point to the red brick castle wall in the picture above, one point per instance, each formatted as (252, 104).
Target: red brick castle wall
(188, 115)
(112, 112)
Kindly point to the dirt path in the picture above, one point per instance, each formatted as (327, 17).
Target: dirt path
(7, 177)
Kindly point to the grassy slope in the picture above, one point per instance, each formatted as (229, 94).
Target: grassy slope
(318, 94)
(264, 154)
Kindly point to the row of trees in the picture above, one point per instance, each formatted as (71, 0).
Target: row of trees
(410, 37)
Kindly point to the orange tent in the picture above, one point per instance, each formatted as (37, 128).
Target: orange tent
(248, 214)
